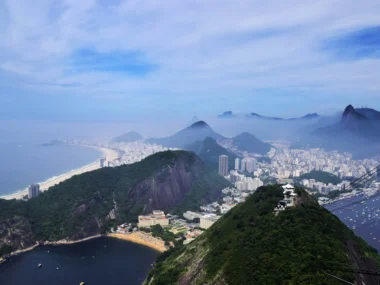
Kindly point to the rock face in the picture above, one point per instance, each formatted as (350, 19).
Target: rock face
(15, 233)
(88, 204)
(252, 245)
(163, 189)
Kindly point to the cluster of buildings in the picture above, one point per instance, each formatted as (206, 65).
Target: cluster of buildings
(288, 163)
(247, 165)
(323, 188)
(134, 151)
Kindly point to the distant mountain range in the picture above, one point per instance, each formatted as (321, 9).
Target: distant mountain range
(306, 117)
(231, 115)
(196, 132)
(200, 136)
(128, 137)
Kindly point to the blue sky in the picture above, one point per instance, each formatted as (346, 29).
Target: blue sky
(117, 60)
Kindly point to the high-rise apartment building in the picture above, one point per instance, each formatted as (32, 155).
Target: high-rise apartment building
(223, 165)
(33, 191)
(102, 162)
(237, 163)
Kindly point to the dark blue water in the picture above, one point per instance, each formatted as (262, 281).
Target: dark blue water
(26, 163)
(363, 217)
(95, 262)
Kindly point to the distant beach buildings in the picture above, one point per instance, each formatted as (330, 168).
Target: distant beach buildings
(156, 218)
(33, 190)
(103, 162)
(223, 165)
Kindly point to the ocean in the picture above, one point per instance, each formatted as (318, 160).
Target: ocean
(362, 216)
(25, 163)
(96, 262)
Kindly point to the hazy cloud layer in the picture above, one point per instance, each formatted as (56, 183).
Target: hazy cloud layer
(193, 55)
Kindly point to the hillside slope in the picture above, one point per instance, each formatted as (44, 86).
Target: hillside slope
(250, 245)
(87, 204)
(209, 151)
(248, 142)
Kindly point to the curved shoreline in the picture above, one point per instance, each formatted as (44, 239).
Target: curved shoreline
(134, 238)
(45, 185)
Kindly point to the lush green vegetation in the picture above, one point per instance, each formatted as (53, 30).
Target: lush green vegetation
(321, 176)
(164, 234)
(79, 206)
(205, 190)
(209, 151)
(251, 245)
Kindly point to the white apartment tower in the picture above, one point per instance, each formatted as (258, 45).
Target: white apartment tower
(33, 191)
(237, 163)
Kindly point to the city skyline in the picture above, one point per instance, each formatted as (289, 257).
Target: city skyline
(117, 60)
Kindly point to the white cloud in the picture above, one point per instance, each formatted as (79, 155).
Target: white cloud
(207, 47)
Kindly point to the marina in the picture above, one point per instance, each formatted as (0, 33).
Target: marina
(361, 214)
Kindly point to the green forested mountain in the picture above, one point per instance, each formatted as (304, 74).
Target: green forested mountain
(209, 151)
(251, 245)
(248, 142)
(89, 203)
(321, 176)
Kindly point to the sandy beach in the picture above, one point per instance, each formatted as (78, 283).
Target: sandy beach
(109, 154)
(142, 238)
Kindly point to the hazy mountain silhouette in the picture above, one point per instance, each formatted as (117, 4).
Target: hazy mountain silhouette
(306, 117)
(369, 113)
(226, 115)
(128, 137)
(196, 132)
(355, 132)
(248, 142)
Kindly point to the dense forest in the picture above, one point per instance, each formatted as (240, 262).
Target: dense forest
(252, 245)
(321, 176)
(90, 203)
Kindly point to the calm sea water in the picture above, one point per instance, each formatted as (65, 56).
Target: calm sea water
(363, 217)
(26, 163)
(95, 262)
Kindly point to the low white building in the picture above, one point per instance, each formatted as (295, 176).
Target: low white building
(191, 215)
(207, 221)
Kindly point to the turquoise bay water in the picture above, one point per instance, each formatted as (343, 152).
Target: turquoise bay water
(26, 163)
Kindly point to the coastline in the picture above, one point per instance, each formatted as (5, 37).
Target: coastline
(58, 242)
(108, 153)
(138, 238)
(142, 239)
